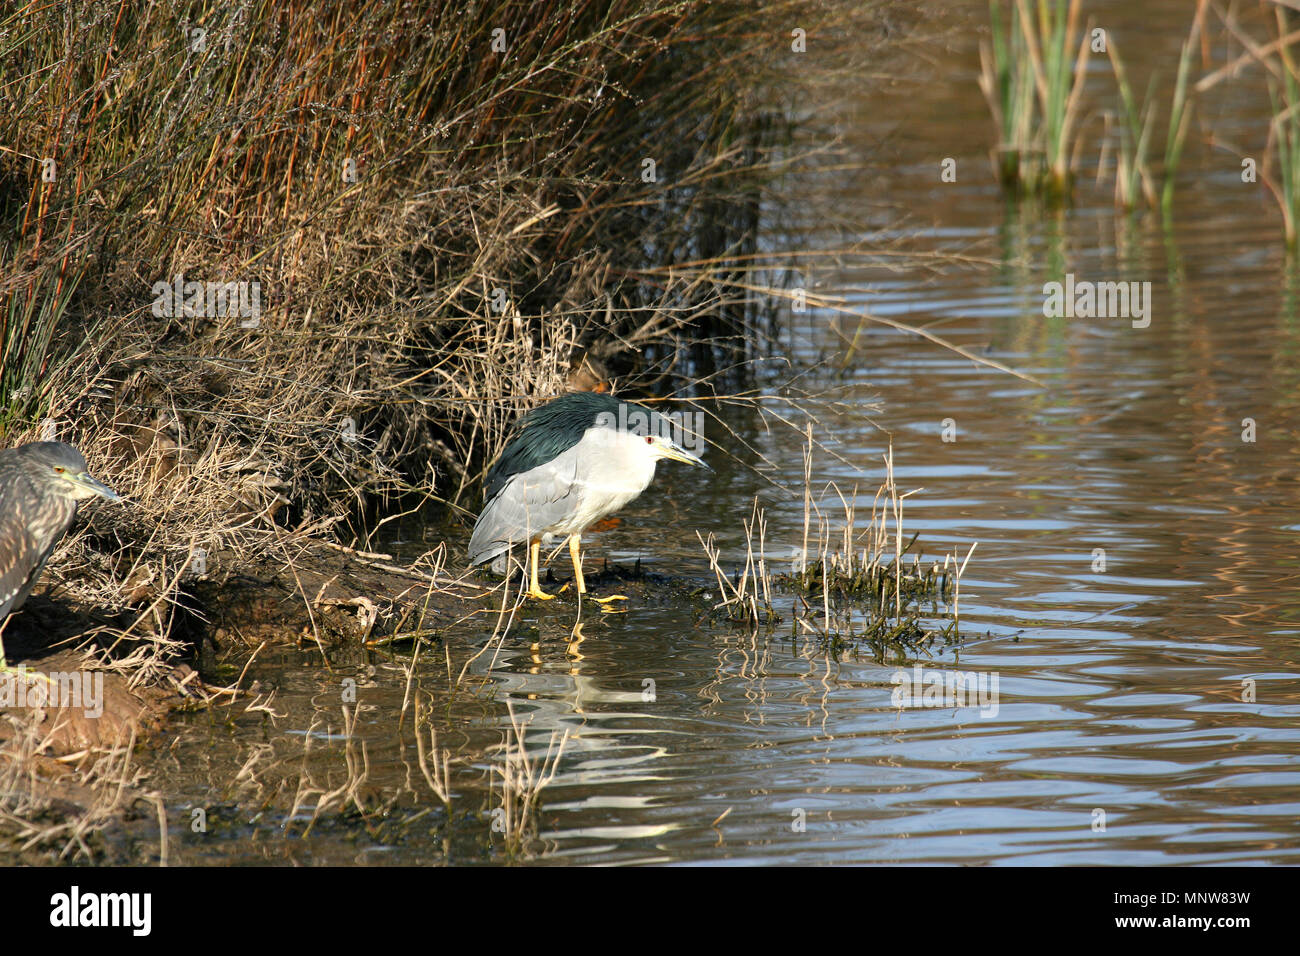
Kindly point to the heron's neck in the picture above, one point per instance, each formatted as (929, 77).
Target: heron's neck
(627, 463)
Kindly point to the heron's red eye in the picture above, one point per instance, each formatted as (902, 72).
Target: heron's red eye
(649, 439)
(58, 469)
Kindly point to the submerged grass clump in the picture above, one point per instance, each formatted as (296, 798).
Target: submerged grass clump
(850, 580)
(1033, 72)
(1032, 75)
(1134, 178)
(871, 579)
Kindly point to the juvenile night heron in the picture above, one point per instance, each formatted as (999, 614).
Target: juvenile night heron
(568, 464)
(40, 485)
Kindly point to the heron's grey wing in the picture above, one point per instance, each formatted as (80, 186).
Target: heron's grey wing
(526, 506)
(20, 557)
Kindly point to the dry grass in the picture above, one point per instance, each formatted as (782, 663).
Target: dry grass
(522, 778)
(58, 806)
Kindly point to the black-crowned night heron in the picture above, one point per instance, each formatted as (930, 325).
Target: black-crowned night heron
(40, 485)
(568, 464)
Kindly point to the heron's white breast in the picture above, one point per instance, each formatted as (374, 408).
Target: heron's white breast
(613, 467)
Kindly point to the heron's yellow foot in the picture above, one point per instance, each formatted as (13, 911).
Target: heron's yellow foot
(606, 602)
(539, 595)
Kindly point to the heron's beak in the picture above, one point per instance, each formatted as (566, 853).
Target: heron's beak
(670, 449)
(96, 486)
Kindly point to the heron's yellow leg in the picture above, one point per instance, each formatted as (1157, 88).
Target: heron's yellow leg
(534, 559)
(575, 543)
(575, 552)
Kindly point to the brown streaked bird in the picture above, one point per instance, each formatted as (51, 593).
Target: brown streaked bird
(40, 486)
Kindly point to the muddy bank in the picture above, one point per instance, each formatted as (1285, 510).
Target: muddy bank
(326, 598)
(329, 596)
(70, 727)
(78, 704)
(69, 788)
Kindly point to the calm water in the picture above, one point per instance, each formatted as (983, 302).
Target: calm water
(1119, 690)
